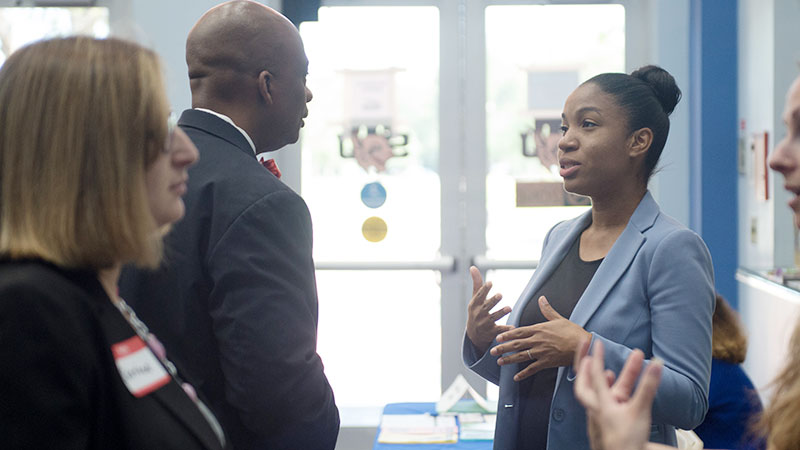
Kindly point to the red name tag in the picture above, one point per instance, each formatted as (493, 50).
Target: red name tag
(139, 368)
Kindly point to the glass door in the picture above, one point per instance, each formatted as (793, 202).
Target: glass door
(428, 148)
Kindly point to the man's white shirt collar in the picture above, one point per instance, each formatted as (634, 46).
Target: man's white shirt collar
(230, 121)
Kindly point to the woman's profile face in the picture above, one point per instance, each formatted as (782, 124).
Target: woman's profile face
(786, 156)
(166, 178)
(593, 151)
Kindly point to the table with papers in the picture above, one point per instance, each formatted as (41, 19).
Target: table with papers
(418, 427)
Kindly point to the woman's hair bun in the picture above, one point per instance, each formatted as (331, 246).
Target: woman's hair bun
(663, 84)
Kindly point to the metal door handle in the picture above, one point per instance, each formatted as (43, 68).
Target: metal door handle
(483, 264)
(443, 264)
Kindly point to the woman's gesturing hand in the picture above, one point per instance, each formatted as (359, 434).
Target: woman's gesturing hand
(481, 322)
(544, 345)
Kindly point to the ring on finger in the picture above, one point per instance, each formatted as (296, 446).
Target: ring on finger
(528, 351)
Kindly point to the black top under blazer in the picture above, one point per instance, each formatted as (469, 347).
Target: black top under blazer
(59, 384)
(236, 301)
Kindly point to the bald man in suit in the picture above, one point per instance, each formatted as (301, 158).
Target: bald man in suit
(236, 300)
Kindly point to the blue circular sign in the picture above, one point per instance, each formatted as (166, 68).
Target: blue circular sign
(373, 195)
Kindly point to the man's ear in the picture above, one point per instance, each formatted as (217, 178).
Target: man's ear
(265, 86)
(640, 142)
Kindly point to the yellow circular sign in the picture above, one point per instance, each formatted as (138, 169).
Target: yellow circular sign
(374, 229)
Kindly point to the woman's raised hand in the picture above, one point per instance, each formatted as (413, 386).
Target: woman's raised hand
(617, 416)
(481, 322)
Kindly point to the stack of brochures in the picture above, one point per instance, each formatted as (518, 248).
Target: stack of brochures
(476, 416)
(476, 420)
(418, 429)
(476, 426)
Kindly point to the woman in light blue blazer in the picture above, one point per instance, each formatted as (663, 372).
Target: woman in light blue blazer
(623, 273)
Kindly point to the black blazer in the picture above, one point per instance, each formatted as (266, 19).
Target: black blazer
(236, 299)
(59, 385)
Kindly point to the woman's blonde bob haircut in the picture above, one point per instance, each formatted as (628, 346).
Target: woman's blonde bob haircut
(780, 422)
(81, 119)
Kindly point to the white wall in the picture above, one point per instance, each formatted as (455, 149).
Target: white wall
(163, 26)
(757, 92)
(769, 313)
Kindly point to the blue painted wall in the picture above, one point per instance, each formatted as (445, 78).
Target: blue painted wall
(713, 173)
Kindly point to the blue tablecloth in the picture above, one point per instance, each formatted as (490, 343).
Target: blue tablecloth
(422, 408)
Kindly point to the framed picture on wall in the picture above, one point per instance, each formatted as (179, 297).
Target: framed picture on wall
(759, 146)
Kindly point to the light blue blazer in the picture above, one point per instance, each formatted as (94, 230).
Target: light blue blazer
(653, 291)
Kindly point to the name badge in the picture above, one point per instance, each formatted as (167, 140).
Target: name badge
(140, 370)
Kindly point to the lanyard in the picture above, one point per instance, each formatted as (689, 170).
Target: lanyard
(144, 333)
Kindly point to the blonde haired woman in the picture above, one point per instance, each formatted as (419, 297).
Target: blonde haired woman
(90, 171)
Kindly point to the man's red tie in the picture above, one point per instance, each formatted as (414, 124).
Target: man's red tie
(271, 166)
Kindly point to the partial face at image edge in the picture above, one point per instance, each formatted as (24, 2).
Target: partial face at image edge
(786, 156)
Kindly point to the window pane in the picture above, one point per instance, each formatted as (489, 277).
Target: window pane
(20, 26)
(370, 178)
(379, 335)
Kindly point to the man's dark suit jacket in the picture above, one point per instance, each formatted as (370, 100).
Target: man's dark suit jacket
(236, 298)
(59, 385)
